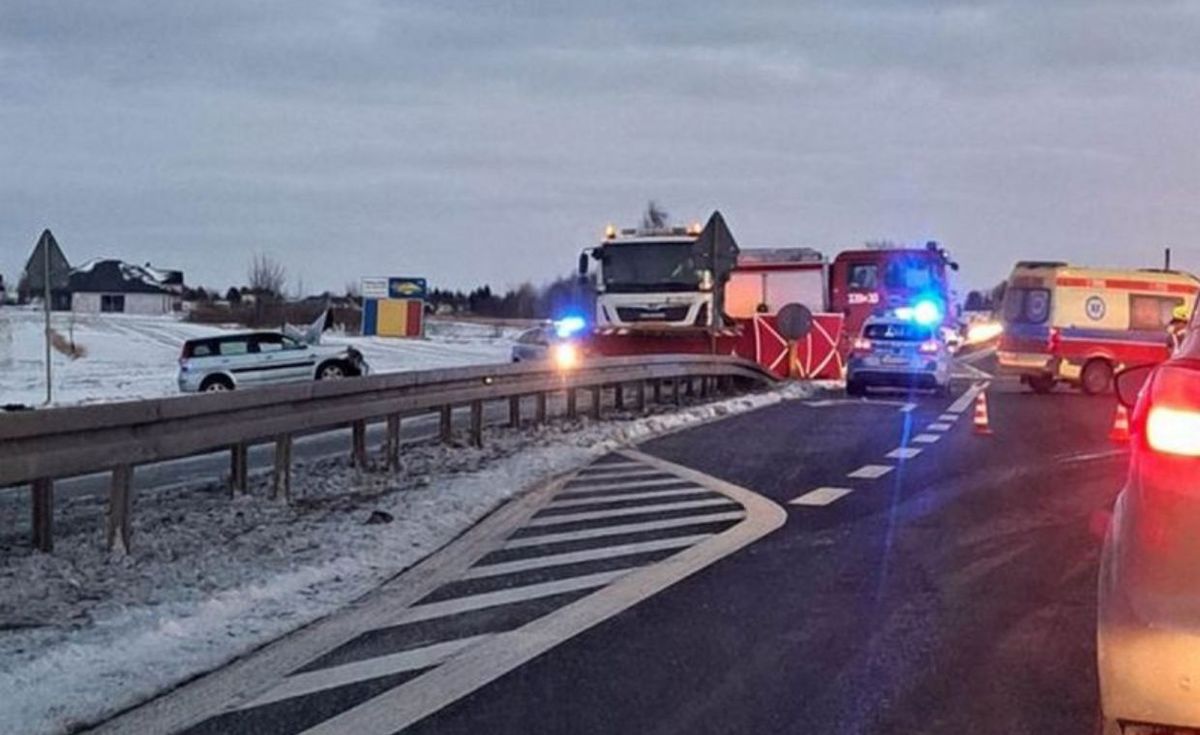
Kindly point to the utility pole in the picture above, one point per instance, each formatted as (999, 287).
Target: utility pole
(46, 308)
(1168, 259)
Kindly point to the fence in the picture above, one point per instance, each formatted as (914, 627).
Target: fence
(39, 447)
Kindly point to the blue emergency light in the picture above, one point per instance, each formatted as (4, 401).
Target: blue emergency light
(569, 325)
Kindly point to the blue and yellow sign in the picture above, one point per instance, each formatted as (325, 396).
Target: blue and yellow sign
(406, 288)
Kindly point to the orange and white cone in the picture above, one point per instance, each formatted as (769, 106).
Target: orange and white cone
(982, 428)
(1120, 428)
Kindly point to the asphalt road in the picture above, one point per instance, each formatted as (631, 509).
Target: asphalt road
(954, 594)
(823, 566)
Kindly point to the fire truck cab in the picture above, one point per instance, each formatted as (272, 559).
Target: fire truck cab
(874, 281)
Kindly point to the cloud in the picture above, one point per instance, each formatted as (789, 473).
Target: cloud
(490, 141)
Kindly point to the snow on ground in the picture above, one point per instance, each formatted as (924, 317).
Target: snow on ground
(130, 357)
(211, 578)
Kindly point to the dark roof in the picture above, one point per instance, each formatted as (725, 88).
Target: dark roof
(115, 276)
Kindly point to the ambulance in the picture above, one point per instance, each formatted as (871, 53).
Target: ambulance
(1078, 326)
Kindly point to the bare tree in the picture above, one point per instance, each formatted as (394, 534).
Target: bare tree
(266, 275)
(655, 217)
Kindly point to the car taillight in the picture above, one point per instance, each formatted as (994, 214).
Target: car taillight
(929, 346)
(862, 344)
(1171, 403)
(1173, 430)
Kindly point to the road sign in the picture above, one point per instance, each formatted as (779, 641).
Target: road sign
(374, 288)
(794, 321)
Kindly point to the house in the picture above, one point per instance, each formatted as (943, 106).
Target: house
(114, 286)
(33, 284)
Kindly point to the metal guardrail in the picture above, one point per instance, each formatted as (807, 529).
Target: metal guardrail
(39, 447)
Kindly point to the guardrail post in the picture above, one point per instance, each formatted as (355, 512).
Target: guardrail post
(477, 424)
(282, 481)
(641, 396)
(42, 495)
(675, 392)
(597, 396)
(117, 538)
(657, 391)
(704, 386)
(541, 408)
(238, 469)
(358, 443)
(619, 396)
(691, 388)
(446, 430)
(514, 411)
(571, 403)
(392, 449)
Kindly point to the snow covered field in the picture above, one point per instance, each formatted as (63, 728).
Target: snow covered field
(131, 357)
(83, 635)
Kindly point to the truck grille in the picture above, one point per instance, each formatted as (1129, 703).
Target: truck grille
(666, 314)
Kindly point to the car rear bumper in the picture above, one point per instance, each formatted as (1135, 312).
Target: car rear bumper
(897, 378)
(1025, 363)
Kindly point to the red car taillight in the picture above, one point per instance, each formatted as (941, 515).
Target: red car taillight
(1172, 411)
(929, 346)
(1055, 341)
(862, 344)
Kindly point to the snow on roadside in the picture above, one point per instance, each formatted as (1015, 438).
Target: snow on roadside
(211, 578)
(130, 357)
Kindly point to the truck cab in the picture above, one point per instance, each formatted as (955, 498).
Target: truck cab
(649, 280)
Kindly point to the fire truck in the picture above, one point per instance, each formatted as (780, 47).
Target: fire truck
(867, 281)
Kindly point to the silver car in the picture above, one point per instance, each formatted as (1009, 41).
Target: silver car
(233, 361)
(1148, 632)
(898, 353)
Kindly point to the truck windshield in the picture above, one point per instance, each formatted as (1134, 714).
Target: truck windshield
(641, 267)
(911, 274)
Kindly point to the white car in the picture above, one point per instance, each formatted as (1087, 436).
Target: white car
(1148, 632)
(898, 353)
(231, 361)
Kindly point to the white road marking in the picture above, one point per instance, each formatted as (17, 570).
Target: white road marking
(1091, 455)
(871, 471)
(598, 469)
(949, 417)
(926, 438)
(590, 533)
(627, 496)
(821, 496)
(418, 698)
(571, 489)
(903, 453)
(574, 557)
(939, 426)
(908, 408)
(963, 370)
(966, 398)
(595, 515)
(311, 682)
(467, 603)
(828, 402)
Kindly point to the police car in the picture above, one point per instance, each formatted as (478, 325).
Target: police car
(899, 350)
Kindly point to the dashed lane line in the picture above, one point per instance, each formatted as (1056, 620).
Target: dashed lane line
(870, 471)
(592, 533)
(966, 398)
(311, 682)
(949, 417)
(821, 496)
(903, 453)
(939, 426)
(694, 489)
(539, 521)
(926, 438)
(575, 557)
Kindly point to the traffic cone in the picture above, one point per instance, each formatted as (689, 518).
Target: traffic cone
(1120, 427)
(981, 415)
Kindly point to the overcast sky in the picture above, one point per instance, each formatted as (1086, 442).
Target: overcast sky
(491, 141)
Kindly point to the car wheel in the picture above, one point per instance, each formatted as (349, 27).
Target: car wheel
(1097, 377)
(1041, 383)
(331, 371)
(216, 384)
(855, 388)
